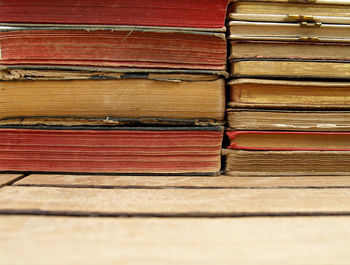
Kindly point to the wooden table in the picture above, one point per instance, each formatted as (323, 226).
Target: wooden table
(90, 219)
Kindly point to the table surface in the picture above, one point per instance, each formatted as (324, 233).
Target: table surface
(93, 219)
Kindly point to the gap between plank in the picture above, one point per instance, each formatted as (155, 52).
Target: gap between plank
(169, 187)
(35, 212)
(14, 180)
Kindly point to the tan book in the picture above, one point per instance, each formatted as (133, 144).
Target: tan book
(282, 120)
(50, 94)
(287, 163)
(281, 49)
(290, 68)
(312, 18)
(303, 31)
(285, 94)
(333, 8)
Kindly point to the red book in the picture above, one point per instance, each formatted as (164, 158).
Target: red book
(194, 150)
(288, 141)
(179, 13)
(119, 48)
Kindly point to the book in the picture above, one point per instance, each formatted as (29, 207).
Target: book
(110, 97)
(162, 150)
(290, 68)
(286, 140)
(288, 94)
(281, 50)
(179, 13)
(286, 163)
(303, 31)
(295, 18)
(333, 8)
(290, 120)
(117, 47)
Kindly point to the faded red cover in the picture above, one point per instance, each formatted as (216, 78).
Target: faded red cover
(233, 145)
(176, 13)
(111, 151)
(119, 48)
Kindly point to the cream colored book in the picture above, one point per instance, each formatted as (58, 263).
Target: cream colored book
(296, 50)
(332, 8)
(288, 120)
(288, 18)
(303, 31)
(287, 68)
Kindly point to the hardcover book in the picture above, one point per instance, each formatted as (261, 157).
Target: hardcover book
(45, 95)
(290, 68)
(285, 140)
(287, 163)
(116, 47)
(288, 18)
(245, 49)
(282, 94)
(179, 13)
(163, 150)
(301, 31)
(291, 120)
(333, 8)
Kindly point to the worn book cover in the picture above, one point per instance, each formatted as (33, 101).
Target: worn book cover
(195, 150)
(287, 140)
(161, 13)
(44, 96)
(291, 31)
(287, 163)
(291, 18)
(332, 8)
(299, 50)
(288, 120)
(289, 94)
(290, 68)
(119, 47)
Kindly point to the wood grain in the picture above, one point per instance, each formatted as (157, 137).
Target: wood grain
(52, 240)
(6, 178)
(182, 181)
(174, 202)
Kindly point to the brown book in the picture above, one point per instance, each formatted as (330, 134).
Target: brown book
(282, 120)
(336, 8)
(52, 94)
(277, 94)
(287, 163)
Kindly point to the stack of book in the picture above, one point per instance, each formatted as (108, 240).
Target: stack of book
(112, 86)
(289, 94)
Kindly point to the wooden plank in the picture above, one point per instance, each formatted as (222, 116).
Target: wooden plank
(66, 240)
(6, 178)
(181, 181)
(175, 202)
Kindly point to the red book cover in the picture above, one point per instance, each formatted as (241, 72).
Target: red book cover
(163, 13)
(120, 150)
(119, 48)
(289, 141)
